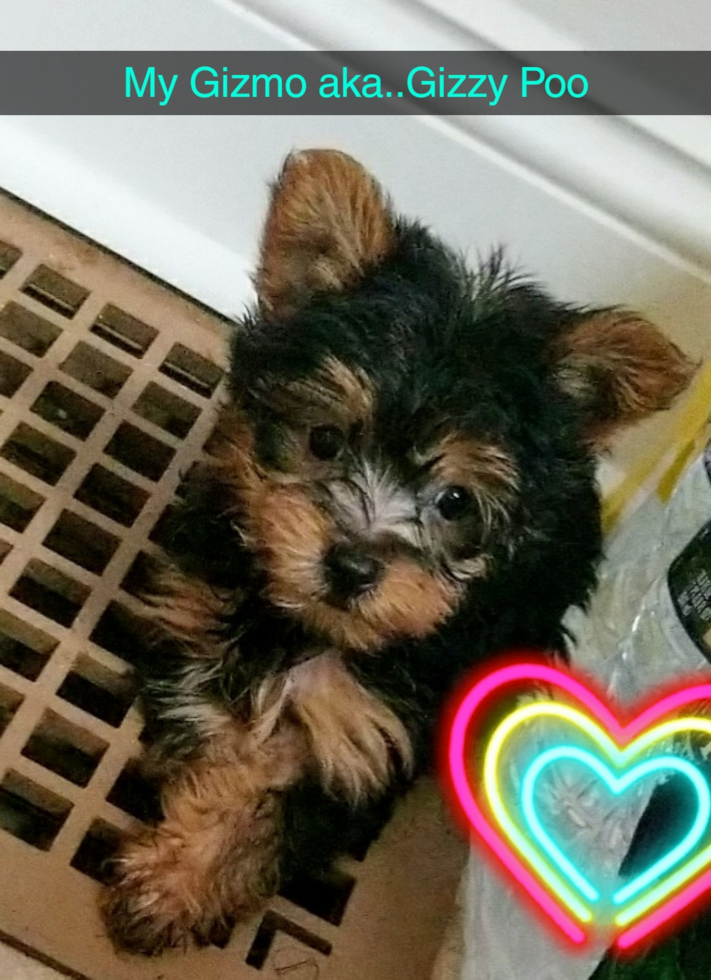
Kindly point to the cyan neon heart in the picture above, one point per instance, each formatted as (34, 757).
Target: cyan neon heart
(616, 785)
(654, 897)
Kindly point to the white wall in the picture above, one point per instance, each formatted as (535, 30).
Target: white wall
(644, 25)
(612, 25)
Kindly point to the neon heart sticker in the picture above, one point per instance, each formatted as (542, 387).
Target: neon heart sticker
(607, 746)
(611, 752)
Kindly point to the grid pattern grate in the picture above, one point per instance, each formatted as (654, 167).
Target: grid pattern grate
(108, 385)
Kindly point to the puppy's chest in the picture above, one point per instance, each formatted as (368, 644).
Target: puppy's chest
(259, 648)
(354, 737)
(241, 662)
(273, 680)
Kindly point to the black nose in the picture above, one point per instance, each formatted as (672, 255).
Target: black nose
(350, 572)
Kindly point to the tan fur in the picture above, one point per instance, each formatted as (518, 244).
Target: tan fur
(411, 600)
(293, 535)
(622, 368)
(464, 460)
(487, 471)
(334, 394)
(214, 857)
(327, 222)
(188, 608)
(352, 388)
(353, 737)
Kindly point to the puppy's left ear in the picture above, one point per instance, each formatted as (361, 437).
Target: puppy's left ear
(620, 369)
(328, 221)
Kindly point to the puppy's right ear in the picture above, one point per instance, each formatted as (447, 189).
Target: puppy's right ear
(328, 221)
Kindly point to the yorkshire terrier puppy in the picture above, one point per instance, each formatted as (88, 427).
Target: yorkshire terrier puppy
(401, 485)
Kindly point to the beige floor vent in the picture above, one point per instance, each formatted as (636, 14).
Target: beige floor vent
(108, 383)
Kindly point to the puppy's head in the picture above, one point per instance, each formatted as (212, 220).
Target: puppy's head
(406, 435)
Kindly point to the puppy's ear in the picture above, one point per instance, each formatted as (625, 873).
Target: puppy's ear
(620, 369)
(328, 221)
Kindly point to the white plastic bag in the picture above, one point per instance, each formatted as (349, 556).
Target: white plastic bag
(647, 624)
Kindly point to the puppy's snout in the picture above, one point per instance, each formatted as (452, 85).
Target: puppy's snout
(350, 572)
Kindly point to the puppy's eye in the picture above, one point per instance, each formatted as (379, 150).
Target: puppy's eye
(326, 441)
(453, 503)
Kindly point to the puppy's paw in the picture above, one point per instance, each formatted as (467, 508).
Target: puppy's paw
(154, 901)
(134, 927)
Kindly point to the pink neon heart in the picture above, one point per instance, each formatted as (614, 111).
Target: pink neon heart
(527, 673)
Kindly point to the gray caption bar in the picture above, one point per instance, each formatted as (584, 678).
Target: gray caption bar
(354, 83)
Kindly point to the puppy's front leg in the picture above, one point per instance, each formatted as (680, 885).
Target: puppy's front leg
(214, 857)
